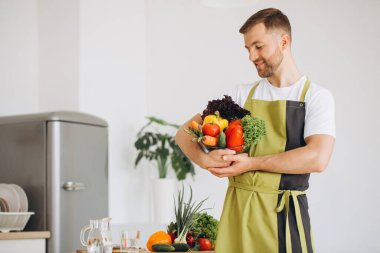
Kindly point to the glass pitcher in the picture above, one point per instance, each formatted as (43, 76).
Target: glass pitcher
(99, 237)
(106, 235)
(94, 241)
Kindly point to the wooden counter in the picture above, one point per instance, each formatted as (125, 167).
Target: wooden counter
(25, 235)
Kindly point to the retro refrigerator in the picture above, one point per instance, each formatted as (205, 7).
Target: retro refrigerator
(60, 159)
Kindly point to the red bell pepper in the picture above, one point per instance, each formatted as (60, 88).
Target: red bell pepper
(235, 136)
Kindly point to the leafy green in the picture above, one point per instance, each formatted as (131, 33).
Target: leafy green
(161, 148)
(253, 128)
(172, 228)
(227, 108)
(205, 226)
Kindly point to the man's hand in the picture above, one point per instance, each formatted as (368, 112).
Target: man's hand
(240, 164)
(214, 159)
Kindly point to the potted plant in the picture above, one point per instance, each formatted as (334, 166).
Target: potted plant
(155, 144)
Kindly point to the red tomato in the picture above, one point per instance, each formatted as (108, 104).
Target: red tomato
(235, 139)
(204, 244)
(211, 129)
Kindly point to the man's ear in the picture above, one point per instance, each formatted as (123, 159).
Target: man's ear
(285, 41)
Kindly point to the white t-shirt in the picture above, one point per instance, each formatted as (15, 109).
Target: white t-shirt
(320, 106)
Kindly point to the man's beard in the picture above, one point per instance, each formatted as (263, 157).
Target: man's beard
(271, 65)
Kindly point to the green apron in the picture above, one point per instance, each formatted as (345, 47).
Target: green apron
(267, 212)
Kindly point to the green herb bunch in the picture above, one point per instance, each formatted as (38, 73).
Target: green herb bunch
(254, 130)
(153, 145)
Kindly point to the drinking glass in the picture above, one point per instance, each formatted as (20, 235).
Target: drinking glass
(129, 241)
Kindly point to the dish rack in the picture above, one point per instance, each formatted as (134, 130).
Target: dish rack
(13, 221)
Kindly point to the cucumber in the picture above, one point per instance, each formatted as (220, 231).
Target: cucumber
(222, 140)
(162, 247)
(181, 247)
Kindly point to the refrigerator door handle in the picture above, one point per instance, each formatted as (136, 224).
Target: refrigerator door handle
(73, 186)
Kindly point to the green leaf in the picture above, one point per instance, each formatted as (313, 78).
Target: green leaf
(171, 142)
(139, 157)
(144, 142)
(181, 164)
(161, 122)
(162, 151)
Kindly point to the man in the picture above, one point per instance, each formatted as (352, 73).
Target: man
(266, 208)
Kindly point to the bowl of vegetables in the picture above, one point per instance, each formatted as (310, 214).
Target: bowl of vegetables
(226, 125)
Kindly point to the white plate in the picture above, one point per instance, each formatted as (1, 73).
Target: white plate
(4, 205)
(10, 195)
(13, 221)
(22, 196)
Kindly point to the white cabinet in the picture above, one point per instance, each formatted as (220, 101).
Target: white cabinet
(23, 242)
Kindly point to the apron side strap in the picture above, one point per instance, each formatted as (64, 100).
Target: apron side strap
(284, 204)
(301, 230)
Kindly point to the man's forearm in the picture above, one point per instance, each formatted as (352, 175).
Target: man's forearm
(296, 161)
(313, 157)
(191, 149)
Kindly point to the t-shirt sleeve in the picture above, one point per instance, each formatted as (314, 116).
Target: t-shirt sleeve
(320, 114)
(239, 93)
(232, 92)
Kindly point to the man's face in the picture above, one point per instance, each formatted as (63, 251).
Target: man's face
(264, 49)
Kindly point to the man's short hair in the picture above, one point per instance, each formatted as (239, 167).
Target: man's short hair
(272, 19)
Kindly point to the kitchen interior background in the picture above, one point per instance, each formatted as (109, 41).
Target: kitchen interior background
(125, 59)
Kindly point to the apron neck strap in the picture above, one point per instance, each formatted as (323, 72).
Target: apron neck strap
(251, 92)
(305, 89)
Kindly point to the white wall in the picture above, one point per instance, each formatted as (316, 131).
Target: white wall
(18, 57)
(176, 55)
(113, 86)
(58, 37)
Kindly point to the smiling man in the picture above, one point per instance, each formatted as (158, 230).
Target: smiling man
(266, 208)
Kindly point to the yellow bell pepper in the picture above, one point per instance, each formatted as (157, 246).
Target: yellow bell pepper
(216, 119)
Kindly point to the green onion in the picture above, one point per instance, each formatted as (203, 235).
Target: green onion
(185, 213)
